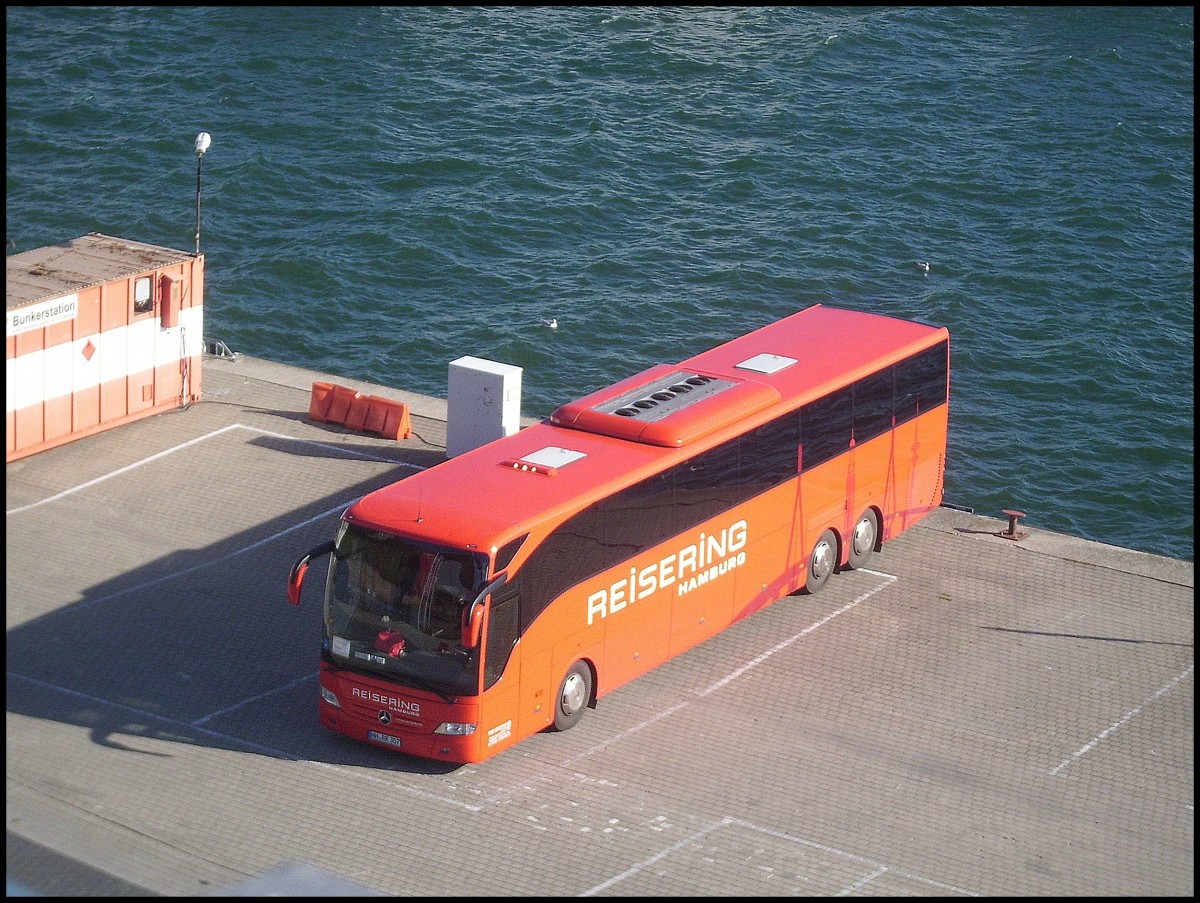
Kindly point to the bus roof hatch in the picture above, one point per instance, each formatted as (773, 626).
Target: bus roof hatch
(767, 363)
(547, 461)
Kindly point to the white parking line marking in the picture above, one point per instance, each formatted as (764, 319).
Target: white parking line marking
(170, 451)
(1091, 744)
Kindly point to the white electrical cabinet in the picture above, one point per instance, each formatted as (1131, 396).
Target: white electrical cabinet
(483, 403)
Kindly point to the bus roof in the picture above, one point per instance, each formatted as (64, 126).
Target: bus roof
(591, 447)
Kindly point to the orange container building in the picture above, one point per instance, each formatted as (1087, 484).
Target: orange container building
(101, 331)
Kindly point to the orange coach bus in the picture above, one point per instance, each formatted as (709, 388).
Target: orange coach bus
(503, 591)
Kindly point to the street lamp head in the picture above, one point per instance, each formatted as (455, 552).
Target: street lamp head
(203, 140)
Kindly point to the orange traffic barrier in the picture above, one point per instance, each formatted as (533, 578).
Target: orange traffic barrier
(396, 424)
(322, 397)
(376, 414)
(339, 408)
(356, 416)
(331, 403)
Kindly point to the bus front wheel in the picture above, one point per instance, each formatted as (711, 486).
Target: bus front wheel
(864, 539)
(822, 563)
(573, 696)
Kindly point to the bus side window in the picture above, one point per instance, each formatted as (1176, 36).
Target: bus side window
(826, 426)
(873, 400)
(921, 382)
(503, 630)
(767, 455)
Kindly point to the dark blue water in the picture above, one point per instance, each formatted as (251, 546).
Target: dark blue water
(389, 189)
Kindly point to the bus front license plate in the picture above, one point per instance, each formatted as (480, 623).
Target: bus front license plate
(384, 738)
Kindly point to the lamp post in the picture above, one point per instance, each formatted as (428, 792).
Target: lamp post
(203, 140)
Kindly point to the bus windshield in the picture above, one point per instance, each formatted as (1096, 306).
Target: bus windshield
(394, 609)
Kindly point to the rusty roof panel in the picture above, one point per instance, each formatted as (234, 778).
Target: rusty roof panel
(84, 262)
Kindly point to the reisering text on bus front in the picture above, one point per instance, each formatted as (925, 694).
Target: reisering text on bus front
(398, 705)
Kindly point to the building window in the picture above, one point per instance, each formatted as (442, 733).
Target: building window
(143, 301)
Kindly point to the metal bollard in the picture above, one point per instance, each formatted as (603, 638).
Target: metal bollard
(1012, 532)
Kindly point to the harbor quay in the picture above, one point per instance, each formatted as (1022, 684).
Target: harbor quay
(987, 709)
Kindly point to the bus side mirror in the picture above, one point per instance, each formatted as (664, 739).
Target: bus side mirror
(472, 624)
(295, 580)
(472, 616)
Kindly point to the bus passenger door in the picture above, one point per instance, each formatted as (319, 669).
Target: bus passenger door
(501, 672)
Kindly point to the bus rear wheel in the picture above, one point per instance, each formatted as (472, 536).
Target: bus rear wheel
(822, 562)
(573, 696)
(864, 539)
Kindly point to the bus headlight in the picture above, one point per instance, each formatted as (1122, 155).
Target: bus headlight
(454, 729)
(330, 697)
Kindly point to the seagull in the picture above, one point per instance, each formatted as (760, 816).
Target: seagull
(923, 267)
(552, 323)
